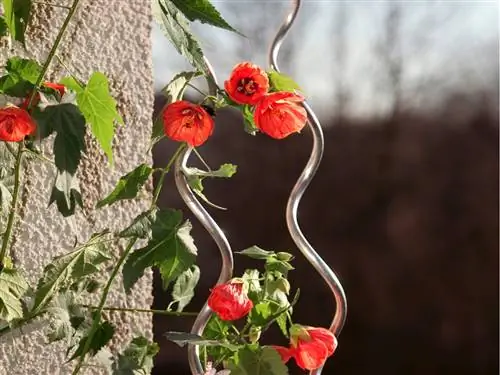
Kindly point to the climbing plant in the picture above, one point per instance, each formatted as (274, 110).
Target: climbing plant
(62, 114)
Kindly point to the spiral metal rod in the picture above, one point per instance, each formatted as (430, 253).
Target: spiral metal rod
(212, 228)
(301, 185)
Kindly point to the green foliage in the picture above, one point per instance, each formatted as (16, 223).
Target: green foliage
(98, 107)
(195, 178)
(16, 17)
(176, 28)
(137, 358)
(282, 82)
(21, 77)
(65, 316)
(100, 338)
(255, 360)
(128, 186)
(183, 338)
(170, 248)
(4, 28)
(256, 252)
(68, 268)
(183, 290)
(12, 288)
(248, 120)
(203, 11)
(69, 145)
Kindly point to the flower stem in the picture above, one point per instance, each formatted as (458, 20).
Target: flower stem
(148, 311)
(164, 172)
(13, 208)
(100, 307)
(53, 50)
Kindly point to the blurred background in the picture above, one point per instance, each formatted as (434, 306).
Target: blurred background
(405, 204)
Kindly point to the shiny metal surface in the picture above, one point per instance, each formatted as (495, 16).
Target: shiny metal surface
(212, 228)
(301, 185)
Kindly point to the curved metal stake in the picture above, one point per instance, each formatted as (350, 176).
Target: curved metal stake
(212, 228)
(301, 185)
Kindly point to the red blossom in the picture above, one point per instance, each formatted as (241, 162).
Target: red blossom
(247, 84)
(285, 353)
(15, 124)
(280, 114)
(230, 301)
(61, 89)
(309, 346)
(187, 122)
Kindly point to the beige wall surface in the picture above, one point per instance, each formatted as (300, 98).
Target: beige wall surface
(111, 36)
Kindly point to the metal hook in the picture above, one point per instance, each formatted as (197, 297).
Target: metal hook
(212, 228)
(301, 185)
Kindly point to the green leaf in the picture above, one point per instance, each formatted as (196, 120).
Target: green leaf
(141, 225)
(4, 29)
(98, 107)
(67, 268)
(69, 145)
(170, 248)
(275, 265)
(252, 278)
(128, 186)
(174, 91)
(224, 171)
(183, 290)
(282, 82)
(12, 288)
(216, 329)
(256, 252)
(65, 315)
(260, 314)
(59, 196)
(251, 360)
(137, 358)
(176, 28)
(101, 337)
(184, 338)
(21, 77)
(16, 16)
(203, 11)
(195, 176)
(248, 120)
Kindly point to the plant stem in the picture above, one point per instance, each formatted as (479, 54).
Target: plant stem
(100, 307)
(53, 50)
(198, 155)
(197, 89)
(15, 193)
(164, 172)
(148, 311)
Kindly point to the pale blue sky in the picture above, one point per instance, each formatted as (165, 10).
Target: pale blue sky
(444, 45)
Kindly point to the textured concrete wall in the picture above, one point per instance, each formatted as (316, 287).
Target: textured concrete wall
(111, 36)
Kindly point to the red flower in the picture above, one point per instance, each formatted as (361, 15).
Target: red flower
(247, 84)
(311, 346)
(280, 114)
(15, 124)
(187, 122)
(55, 86)
(230, 301)
(285, 353)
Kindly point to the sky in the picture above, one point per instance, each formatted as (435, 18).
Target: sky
(442, 45)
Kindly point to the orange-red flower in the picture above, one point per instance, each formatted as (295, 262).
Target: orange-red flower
(15, 124)
(230, 300)
(187, 122)
(61, 89)
(309, 346)
(247, 84)
(280, 114)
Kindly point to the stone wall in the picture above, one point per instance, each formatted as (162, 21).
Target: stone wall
(111, 36)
